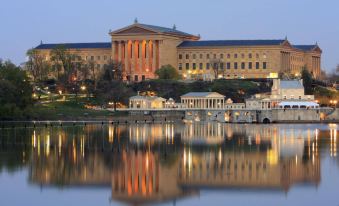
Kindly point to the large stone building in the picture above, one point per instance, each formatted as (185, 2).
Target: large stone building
(142, 49)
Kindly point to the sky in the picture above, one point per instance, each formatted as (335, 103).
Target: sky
(25, 23)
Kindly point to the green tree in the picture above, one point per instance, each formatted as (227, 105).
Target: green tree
(307, 81)
(167, 72)
(15, 91)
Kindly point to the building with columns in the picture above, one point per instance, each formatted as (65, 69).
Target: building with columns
(203, 100)
(143, 48)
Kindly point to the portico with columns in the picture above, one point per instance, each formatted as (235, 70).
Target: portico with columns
(139, 47)
(203, 100)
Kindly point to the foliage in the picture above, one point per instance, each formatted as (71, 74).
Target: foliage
(307, 81)
(167, 72)
(234, 89)
(15, 91)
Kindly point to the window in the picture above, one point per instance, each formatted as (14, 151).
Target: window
(257, 65)
(257, 55)
(92, 58)
(299, 97)
(200, 66)
(180, 56)
(228, 56)
(180, 66)
(194, 56)
(221, 56)
(235, 56)
(143, 77)
(250, 55)
(249, 65)
(221, 66)
(187, 66)
(228, 65)
(207, 66)
(207, 56)
(235, 65)
(98, 57)
(200, 56)
(194, 66)
(264, 65)
(136, 78)
(214, 56)
(187, 56)
(242, 65)
(242, 55)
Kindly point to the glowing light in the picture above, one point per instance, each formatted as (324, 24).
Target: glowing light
(83, 88)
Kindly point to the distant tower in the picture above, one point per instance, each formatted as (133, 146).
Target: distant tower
(174, 27)
(41, 42)
(136, 20)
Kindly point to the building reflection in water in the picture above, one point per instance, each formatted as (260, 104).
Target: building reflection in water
(144, 163)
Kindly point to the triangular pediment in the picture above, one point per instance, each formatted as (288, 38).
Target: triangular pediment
(134, 29)
(286, 43)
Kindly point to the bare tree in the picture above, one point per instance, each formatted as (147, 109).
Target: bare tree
(113, 71)
(37, 65)
(216, 66)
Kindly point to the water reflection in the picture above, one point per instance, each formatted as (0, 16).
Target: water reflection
(145, 163)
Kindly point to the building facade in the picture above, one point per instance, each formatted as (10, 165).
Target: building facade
(142, 49)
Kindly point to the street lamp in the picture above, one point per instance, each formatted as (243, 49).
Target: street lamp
(83, 88)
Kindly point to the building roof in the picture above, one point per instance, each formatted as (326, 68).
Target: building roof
(166, 30)
(151, 98)
(291, 84)
(305, 47)
(202, 94)
(96, 45)
(299, 103)
(221, 43)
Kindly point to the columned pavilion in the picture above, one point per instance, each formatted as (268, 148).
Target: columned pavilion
(203, 100)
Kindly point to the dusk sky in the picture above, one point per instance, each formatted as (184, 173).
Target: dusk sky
(24, 23)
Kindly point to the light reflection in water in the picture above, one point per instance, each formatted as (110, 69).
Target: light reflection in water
(144, 163)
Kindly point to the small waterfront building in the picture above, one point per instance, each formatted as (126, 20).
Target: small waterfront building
(282, 91)
(203, 100)
(146, 102)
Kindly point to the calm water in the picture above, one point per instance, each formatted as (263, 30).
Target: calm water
(169, 164)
